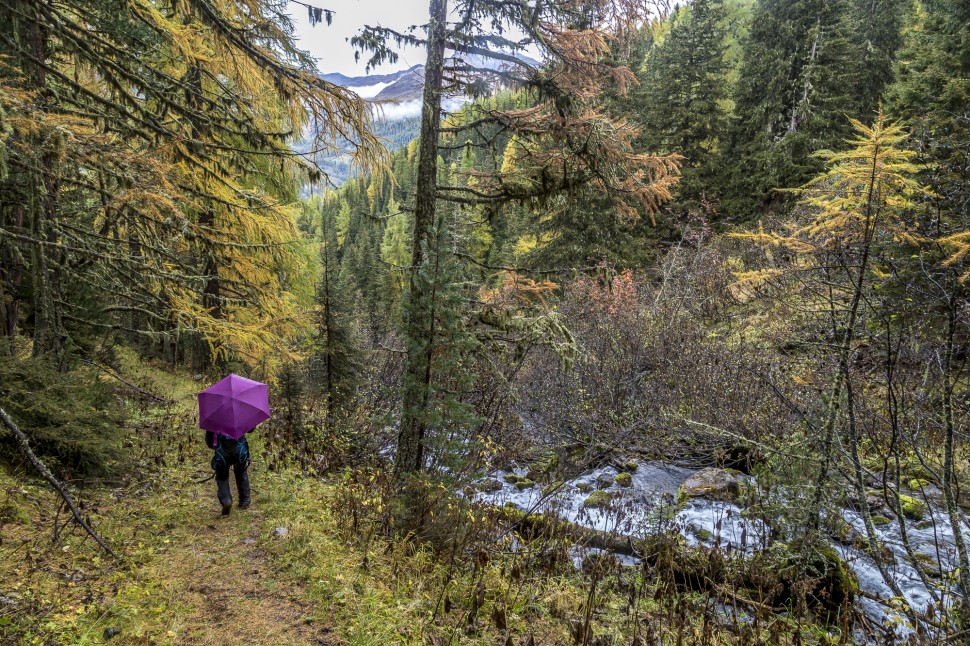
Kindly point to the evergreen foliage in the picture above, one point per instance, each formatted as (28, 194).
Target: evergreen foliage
(806, 64)
(334, 356)
(73, 420)
(148, 160)
(682, 100)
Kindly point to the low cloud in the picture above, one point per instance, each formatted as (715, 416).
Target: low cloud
(368, 91)
(412, 108)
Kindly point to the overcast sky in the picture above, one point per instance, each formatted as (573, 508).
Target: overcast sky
(329, 43)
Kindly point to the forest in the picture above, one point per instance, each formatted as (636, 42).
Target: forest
(660, 340)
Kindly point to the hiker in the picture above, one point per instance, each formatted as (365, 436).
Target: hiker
(235, 454)
(227, 411)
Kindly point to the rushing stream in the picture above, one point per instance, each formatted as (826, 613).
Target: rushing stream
(645, 507)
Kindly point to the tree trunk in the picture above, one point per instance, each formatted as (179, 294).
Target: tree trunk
(47, 328)
(11, 274)
(419, 318)
(845, 350)
(211, 302)
(949, 477)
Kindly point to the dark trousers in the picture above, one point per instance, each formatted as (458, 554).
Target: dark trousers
(235, 454)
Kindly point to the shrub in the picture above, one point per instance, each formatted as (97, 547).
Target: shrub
(73, 420)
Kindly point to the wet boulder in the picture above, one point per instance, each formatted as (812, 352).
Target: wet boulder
(803, 572)
(712, 483)
(604, 480)
(521, 483)
(489, 484)
(598, 498)
(874, 502)
(912, 508)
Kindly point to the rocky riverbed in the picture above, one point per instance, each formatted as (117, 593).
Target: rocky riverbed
(640, 499)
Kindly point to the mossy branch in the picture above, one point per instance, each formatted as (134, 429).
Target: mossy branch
(54, 482)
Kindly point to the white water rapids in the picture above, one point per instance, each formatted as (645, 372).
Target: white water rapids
(639, 510)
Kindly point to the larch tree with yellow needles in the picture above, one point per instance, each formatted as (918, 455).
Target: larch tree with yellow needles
(859, 211)
(149, 183)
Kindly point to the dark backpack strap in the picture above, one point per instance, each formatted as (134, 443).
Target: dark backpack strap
(244, 452)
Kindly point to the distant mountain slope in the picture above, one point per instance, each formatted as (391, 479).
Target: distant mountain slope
(397, 98)
(404, 84)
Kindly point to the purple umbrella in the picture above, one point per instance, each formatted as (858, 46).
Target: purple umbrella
(233, 406)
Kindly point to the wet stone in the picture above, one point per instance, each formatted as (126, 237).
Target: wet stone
(712, 483)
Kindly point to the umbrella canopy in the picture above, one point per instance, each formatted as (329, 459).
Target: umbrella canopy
(233, 406)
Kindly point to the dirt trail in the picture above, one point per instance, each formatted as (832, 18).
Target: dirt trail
(227, 589)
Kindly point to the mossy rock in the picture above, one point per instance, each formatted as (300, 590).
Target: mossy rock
(584, 487)
(841, 576)
(701, 534)
(879, 521)
(604, 481)
(918, 484)
(624, 479)
(712, 483)
(846, 534)
(630, 466)
(524, 484)
(836, 582)
(511, 478)
(915, 469)
(912, 508)
(490, 484)
(598, 498)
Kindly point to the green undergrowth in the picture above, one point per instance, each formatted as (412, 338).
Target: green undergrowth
(336, 575)
(192, 576)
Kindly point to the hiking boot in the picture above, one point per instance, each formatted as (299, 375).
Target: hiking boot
(225, 496)
(242, 486)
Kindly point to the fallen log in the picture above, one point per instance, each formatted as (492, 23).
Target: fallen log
(780, 572)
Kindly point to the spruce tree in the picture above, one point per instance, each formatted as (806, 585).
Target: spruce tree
(334, 359)
(682, 97)
(805, 67)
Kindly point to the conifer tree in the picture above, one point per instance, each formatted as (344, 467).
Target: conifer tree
(579, 148)
(681, 100)
(396, 245)
(860, 210)
(804, 68)
(334, 358)
(148, 158)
